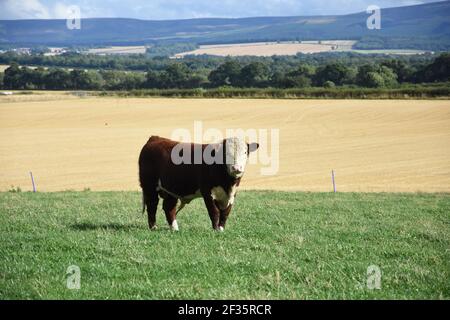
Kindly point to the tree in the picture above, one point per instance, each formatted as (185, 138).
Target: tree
(196, 81)
(253, 74)
(375, 76)
(58, 79)
(112, 79)
(226, 74)
(402, 70)
(299, 78)
(153, 80)
(374, 80)
(439, 70)
(329, 84)
(175, 76)
(39, 76)
(277, 79)
(131, 80)
(12, 77)
(121, 80)
(28, 78)
(389, 77)
(85, 80)
(296, 81)
(335, 72)
(16, 77)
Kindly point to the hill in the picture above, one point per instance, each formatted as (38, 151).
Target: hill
(424, 26)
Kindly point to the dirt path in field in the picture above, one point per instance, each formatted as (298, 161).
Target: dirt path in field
(94, 142)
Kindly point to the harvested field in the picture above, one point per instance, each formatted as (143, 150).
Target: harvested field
(118, 50)
(270, 48)
(373, 146)
(267, 49)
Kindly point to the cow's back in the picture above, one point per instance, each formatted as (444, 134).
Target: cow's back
(157, 167)
(156, 150)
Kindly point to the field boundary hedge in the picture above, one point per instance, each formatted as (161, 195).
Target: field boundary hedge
(417, 92)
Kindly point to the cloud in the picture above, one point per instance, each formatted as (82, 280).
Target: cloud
(185, 9)
(60, 11)
(47, 9)
(24, 9)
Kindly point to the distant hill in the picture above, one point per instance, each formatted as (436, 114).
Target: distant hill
(421, 27)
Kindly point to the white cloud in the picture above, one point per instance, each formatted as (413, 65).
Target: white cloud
(60, 11)
(41, 9)
(184, 9)
(24, 9)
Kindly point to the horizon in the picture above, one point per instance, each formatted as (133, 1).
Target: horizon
(55, 10)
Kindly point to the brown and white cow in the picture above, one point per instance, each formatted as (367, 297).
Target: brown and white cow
(179, 183)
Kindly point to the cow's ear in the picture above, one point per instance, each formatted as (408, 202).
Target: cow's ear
(252, 147)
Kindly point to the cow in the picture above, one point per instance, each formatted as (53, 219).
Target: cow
(178, 183)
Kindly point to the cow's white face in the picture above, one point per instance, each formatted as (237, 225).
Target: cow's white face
(236, 155)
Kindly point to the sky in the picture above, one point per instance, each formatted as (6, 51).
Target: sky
(186, 9)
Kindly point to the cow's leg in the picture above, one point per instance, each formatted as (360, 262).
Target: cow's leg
(213, 211)
(151, 201)
(170, 208)
(224, 216)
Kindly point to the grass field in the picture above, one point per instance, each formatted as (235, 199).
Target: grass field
(373, 146)
(277, 245)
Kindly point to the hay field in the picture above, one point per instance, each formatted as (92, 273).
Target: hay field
(41, 95)
(373, 146)
(118, 50)
(268, 49)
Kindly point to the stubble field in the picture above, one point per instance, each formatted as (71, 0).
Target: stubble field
(72, 143)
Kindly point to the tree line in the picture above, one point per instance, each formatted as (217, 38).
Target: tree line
(202, 64)
(239, 73)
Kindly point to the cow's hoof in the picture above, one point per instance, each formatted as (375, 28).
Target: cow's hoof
(153, 228)
(174, 226)
(220, 229)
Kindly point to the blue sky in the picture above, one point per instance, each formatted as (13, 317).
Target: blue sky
(184, 9)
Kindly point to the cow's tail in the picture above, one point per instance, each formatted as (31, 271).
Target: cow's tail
(143, 202)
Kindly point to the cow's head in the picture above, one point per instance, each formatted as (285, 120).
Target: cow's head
(237, 152)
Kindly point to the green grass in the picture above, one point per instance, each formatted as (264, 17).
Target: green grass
(277, 245)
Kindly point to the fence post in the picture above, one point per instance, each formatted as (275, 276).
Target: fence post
(32, 181)
(334, 182)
